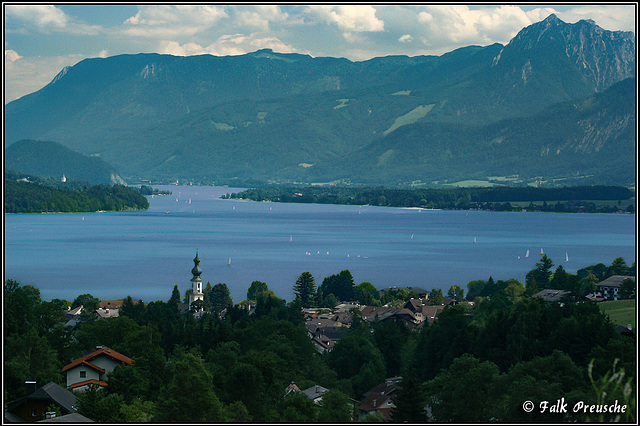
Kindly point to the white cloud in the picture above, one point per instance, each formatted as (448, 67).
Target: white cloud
(349, 18)
(10, 56)
(47, 18)
(228, 45)
(172, 21)
(41, 16)
(259, 17)
(462, 25)
(621, 18)
(405, 38)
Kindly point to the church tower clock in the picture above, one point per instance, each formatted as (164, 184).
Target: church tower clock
(196, 282)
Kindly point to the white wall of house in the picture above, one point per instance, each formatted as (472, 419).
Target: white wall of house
(74, 375)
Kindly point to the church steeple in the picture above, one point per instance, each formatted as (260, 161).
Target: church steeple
(196, 282)
(196, 271)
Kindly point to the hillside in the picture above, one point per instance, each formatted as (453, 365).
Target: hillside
(594, 139)
(469, 114)
(54, 160)
(31, 194)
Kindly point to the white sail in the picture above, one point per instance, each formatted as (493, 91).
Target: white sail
(527, 255)
(567, 257)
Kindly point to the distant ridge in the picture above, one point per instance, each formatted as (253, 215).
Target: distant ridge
(473, 113)
(54, 160)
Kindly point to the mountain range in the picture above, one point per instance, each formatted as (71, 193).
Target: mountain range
(555, 106)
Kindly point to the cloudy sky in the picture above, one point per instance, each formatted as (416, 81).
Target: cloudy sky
(41, 39)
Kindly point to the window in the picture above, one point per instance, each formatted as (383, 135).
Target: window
(34, 413)
(83, 374)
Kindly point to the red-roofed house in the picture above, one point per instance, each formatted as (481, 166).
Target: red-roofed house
(93, 368)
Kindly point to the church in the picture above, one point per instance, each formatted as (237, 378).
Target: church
(196, 283)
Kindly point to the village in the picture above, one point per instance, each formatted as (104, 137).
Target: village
(325, 327)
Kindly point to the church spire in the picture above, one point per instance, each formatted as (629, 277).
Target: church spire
(196, 271)
(196, 281)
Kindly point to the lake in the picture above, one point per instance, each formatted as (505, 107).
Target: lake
(144, 254)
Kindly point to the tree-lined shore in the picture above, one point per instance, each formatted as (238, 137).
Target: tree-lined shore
(591, 199)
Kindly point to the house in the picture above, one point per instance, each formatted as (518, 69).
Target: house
(322, 343)
(34, 406)
(610, 288)
(93, 368)
(373, 313)
(380, 399)
(324, 333)
(291, 388)
(315, 393)
(551, 295)
(104, 313)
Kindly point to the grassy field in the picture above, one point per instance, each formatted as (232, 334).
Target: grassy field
(621, 312)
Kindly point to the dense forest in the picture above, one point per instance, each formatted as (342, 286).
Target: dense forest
(567, 199)
(29, 194)
(478, 362)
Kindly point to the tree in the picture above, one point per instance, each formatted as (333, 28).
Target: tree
(352, 352)
(296, 408)
(340, 285)
(367, 294)
(100, 406)
(514, 290)
(334, 408)
(305, 289)
(588, 283)
(627, 288)
(464, 392)
(456, 292)
(435, 296)
(220, 298)
(618, 267)
(539, 278)
(188, 396)
(256, 289)
(87, 301)
(175, 295)
(410, 400)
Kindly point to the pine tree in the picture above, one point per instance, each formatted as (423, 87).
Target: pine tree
(305, 289)
(409, 401)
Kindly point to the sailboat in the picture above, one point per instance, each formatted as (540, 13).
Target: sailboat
(290, 238)
(541, 251)
(527, 255)
(475, 240)
(229, 264)
(566, 257)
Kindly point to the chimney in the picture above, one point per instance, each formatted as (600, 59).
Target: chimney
(50, 414)
(30, 387)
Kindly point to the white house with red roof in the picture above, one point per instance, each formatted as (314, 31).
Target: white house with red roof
(93, 368)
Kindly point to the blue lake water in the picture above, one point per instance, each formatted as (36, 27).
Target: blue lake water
(144, 254)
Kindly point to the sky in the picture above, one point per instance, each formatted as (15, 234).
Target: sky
(41, 39)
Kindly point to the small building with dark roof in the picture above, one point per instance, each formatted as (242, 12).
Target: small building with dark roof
(551, 295)
(35, 404)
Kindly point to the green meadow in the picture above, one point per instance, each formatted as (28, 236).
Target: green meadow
(621, 312)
